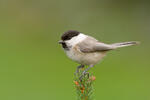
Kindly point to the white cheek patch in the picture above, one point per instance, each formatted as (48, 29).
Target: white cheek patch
(75, 40)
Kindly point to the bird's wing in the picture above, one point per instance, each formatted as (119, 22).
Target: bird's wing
(90, 44)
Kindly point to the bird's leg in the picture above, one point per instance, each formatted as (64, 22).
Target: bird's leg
(77, 70)
(85, 71)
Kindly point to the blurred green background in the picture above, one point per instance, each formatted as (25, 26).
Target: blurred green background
(33, 65)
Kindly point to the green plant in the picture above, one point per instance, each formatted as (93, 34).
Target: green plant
(84, 85)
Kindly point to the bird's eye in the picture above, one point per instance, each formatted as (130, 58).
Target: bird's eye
(67, 38)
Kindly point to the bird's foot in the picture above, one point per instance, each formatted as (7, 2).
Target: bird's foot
(77, 70)
(84, 73)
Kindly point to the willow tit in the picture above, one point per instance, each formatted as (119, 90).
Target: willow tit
(85, 49)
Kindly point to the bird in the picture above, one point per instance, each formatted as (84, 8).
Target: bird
(87, 50)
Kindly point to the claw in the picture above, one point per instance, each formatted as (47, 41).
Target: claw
(85, 72)
(83, 75)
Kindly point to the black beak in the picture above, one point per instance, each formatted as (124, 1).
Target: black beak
(60, 42)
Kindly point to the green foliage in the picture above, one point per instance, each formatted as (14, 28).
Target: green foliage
(84, 85)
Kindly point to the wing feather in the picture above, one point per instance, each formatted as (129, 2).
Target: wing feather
(90, 44)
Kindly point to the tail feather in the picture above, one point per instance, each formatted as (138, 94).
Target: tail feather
(124, 44)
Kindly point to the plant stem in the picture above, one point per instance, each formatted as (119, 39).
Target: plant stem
(84, 85)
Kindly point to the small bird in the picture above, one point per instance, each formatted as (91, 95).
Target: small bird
(87, 50)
